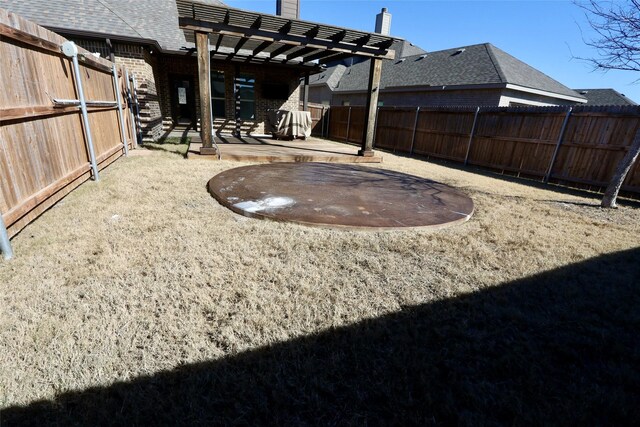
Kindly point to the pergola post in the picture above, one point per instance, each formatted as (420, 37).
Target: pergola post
(370, 110)
(204, 72)
(305, 96)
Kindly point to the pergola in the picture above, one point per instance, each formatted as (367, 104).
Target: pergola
(250, 37)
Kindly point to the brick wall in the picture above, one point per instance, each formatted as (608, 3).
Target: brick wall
(153, 72)
(477, 97)
(143, 65)
(187, 65)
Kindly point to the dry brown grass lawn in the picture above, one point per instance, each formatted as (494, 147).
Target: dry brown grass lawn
(140, 299)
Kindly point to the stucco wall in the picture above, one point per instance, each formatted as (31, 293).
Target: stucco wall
(319, 95)
(510, 96)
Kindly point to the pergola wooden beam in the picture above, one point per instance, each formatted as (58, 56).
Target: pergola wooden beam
(318, 55)
(311, 42)
(237, 48)
(289, 39)
(204, 74)
(373, 90)
(281, 50)
(300, 52)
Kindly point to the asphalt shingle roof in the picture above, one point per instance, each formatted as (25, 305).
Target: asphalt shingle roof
(605, 97)
(331, 77)
(470, 65)
(146, 19)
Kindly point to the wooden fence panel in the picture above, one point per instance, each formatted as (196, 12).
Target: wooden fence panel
(518, 140)
(339, 121)
(395, 128)
(43, 147)
(356, 129)
(443, 134)
(318, 113)
(594, 144)
(521, 143)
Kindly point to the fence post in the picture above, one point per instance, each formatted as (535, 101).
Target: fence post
(473, 131)
(415, 127)
(555, 152)
(5, 243)
(130, 104)
(70, 50)
(116, 87)
(137, 104)
(329, 122)
(322, 126)
(348, 125)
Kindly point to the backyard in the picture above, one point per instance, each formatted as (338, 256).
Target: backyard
(139, 299)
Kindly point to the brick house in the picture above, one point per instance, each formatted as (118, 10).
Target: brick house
(246, 77)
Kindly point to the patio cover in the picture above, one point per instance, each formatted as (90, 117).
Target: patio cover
(252, 37)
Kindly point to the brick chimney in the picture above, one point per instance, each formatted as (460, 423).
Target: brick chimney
(383, 22)
(288, 8)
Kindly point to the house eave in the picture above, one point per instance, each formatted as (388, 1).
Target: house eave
(103, 36)
(546, 93)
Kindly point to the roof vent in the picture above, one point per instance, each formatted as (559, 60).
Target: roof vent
(584, 92)
(423, 56)
(400, 60)
(458, 52)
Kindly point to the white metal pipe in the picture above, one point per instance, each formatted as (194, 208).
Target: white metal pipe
(76, 102)
(5, 243)
(116, 88)
(130, 104)
(135, 97)
(70, 50)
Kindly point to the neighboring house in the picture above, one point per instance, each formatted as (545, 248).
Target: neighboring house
(605, 97)
(144, 35)
(477, 75)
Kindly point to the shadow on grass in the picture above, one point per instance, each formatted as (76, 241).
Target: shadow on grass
(559, 348)
(178, 149)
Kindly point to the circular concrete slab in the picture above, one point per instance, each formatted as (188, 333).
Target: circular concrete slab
(339, 195)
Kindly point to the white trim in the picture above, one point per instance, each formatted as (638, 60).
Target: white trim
(506, 100)
(545, 93)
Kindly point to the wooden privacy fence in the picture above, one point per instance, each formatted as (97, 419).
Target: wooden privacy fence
(577, 146)
(46, 142)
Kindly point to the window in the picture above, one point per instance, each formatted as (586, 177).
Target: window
(245, 85)
(217, 94)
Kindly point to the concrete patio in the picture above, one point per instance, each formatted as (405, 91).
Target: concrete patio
(267, 149)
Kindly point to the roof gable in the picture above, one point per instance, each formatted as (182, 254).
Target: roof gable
(605, 97)
(516, 72)
(481, 64)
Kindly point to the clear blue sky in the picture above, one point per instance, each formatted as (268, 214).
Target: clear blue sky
(546, 34)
